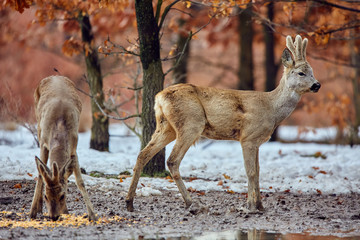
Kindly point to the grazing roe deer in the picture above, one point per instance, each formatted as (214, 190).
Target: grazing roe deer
(57, 109)
(185, 112)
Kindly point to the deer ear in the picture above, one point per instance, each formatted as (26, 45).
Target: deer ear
(55, 169)
(287, 59)
(304, 45)
(68, 168)
(44, 171)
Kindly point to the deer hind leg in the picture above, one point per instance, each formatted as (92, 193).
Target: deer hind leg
(80, 184)
(184, 141)
(37, 202)
(164, 134)
(251, 161)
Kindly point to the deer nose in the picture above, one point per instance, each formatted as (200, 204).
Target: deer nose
(54, 218)
(315, 87)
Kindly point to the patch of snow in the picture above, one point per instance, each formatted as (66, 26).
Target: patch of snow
(297, 167)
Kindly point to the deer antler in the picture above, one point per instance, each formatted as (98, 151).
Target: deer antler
(297, 48)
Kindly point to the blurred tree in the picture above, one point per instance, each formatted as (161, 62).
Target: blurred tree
(180, 71)
(271, 68)
(355, 60)
(76, 18)
(246, 33)
(99, 139)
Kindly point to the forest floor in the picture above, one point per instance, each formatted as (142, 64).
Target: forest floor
(165, 217)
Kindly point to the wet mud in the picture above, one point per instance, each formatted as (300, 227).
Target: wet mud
(165, 216)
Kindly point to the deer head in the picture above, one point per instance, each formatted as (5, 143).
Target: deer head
(299, 74)
(55, 186)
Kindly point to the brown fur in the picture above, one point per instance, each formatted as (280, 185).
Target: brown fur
(57, 109)
(185, 112)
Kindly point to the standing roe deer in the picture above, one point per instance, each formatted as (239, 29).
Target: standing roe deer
(57, 109)
(185, 112)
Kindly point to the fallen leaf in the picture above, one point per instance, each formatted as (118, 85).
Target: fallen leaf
(192, 179)
(323, 172)
(121, 180)
(230, 191)
(310, 176)
(315, 168)
(287, 190)
(201, 193)
(226, 176)
(142, 185)
(220, 183)
(18, 185)
(318, 191)
(29, 174)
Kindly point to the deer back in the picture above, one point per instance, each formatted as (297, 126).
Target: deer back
(57, 109)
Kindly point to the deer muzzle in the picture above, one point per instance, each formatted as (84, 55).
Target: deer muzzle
(315, 87)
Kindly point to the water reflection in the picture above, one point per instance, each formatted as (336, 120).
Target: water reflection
(255, 234)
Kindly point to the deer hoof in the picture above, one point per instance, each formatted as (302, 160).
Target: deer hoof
(255, 207)
(198, 208)
(92, 217)
(129, 205)
(188, 204)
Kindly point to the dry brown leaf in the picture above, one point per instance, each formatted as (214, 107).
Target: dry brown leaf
(226, 176)
(192, 179)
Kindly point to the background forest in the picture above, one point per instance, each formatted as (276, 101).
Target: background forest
(120, 53)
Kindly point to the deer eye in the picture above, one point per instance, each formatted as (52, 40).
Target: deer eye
(62, 197)
(301, 74)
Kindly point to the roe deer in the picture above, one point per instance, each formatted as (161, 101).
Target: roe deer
(185, 112)
(57, 109)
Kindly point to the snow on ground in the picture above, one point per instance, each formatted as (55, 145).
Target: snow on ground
(283, 167)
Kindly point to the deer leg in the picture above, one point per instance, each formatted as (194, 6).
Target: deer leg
(37, 202)
(183, 143)
(80, 184)
(162, 136)
(251, 161)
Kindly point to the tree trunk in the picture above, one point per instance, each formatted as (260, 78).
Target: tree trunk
(271, 67)
(153, 77)
(245, 29)
(355, 58)
(100, 123)
(180, 71)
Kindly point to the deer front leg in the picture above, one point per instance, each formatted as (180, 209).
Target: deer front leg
(80, 184)
(37, 202)
(251, 161)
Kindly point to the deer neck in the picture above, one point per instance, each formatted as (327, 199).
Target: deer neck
(284, 100)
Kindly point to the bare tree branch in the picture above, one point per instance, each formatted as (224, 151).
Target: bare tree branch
(191, 34)
(166, 11)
